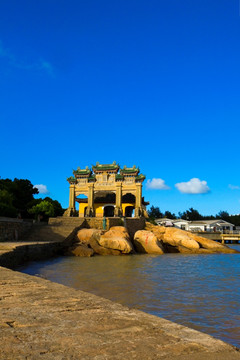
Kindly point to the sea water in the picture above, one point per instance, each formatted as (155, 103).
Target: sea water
(199, 291)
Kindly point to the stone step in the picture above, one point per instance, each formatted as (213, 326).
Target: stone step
(49, 233)
(66, 221)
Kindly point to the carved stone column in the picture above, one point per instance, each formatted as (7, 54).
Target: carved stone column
(118, 208)
(90, 208)
(138, 203)
(72, 198)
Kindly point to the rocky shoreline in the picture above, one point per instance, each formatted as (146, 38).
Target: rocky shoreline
(152, 240)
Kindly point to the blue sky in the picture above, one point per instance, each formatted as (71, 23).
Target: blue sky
(154, 83)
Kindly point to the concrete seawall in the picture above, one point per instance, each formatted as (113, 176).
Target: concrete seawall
(45, 320)
(15, 254)
(12, 229)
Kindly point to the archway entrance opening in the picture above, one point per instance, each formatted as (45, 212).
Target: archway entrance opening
(129, 200)
(108, 211)
(82, 202)
(129, 211)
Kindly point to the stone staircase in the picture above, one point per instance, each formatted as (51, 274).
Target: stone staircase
(59, 228)
(66, 221)
(49, 233)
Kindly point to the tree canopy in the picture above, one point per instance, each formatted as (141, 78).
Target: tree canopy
(169, 215)
(190, 215)
(57, 207)
(223, 215)
(17, 198)
(6, 204)
(44, 209)
(155, 213)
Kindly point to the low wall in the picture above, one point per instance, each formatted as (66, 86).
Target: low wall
(17, 255)
(13, 229)
(210, 236)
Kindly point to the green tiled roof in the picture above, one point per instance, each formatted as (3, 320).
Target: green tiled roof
(127, 171)
(140, 177)
(71, 179)
(119, 177)
(114, 167)
(79, 171)
(105, 167)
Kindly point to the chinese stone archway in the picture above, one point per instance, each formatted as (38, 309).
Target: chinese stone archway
(100, 182)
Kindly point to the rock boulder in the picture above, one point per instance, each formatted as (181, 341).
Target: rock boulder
(84, 235)
(98, 249)
(146, 242)
(117, 238)
(80, 250)
(179, 238)
(212, 245)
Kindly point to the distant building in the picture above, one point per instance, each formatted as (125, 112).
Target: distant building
(109, 190)
(197, 225)
(165, 222)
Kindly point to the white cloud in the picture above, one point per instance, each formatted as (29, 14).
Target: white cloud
(234, 187)
(40, 65)
(42, 189)
(193, 186)
(157, 184)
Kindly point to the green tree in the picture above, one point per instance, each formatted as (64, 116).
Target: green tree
(235, 219)
(17, 197)
(169, 215)
(224, 215)
(208, 217)
(190, 215)
(154, 213)
(6, 206)
(21, 191)
(44, 209)
(58, 210)
(6, 197)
